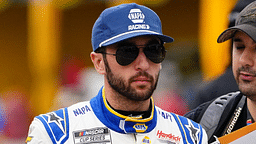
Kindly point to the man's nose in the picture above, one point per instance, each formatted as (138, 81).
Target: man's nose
(247, 57)
(142, 62)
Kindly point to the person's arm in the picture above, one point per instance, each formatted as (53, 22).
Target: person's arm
(37, 133)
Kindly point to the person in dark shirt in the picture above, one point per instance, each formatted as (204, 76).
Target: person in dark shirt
(234, 110)
(213, 89)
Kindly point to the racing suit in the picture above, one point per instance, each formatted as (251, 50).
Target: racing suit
(96, 122)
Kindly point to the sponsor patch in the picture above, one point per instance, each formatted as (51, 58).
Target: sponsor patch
(137, 17)
(140, 127)
(96, 136)
(146, 140)
(170, 137)
(81, 111)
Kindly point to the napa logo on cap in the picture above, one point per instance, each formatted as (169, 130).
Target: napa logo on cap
(140, 127)
(137, 17)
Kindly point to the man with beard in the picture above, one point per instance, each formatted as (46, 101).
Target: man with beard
(128, 48)
(238, 109)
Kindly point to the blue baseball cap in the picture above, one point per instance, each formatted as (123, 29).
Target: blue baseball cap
(126, 21)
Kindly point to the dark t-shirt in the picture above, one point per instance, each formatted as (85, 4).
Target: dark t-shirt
(197, 113)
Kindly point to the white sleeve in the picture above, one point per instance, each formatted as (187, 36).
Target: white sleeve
(205, 137)
(37, 133)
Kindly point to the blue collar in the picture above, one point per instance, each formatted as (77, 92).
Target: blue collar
(118, 122)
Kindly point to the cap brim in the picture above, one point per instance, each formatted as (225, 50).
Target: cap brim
(122, 37)
(229, 33)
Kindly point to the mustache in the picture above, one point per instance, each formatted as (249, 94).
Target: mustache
(142, 73)
(246, 69)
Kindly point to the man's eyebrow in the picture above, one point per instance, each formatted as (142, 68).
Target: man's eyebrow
(237, 40)
(125, 43)
(153, 41)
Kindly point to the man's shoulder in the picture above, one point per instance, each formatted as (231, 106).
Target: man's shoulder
(187, 127)
(178, 119)
(214, 115)
(77, 109)
(195, 113)
(216, 105)
(55, 125)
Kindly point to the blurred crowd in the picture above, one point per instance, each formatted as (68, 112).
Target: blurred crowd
(15, 116)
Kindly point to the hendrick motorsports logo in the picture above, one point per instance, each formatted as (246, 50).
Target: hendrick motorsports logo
(136, 16)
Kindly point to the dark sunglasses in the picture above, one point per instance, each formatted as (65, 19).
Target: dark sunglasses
(125, 55)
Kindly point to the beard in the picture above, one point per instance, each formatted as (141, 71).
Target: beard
(248, 88)
(125, 89)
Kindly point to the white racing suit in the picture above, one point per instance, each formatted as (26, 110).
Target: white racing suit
(95, 122)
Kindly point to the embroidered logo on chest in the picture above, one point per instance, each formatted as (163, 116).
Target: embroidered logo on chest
(94, 135)
(140, 127)
(170, 137)
(146, 140)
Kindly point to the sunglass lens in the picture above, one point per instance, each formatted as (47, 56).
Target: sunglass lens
(126, 55)
(156, 53)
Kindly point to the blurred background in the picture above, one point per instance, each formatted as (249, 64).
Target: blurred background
(45, 50)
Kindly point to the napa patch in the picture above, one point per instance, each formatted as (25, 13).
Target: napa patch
(140, 127)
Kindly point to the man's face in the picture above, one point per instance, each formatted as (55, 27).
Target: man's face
(138, 80)
(244, 60)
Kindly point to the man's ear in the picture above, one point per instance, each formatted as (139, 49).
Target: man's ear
(97, 59)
